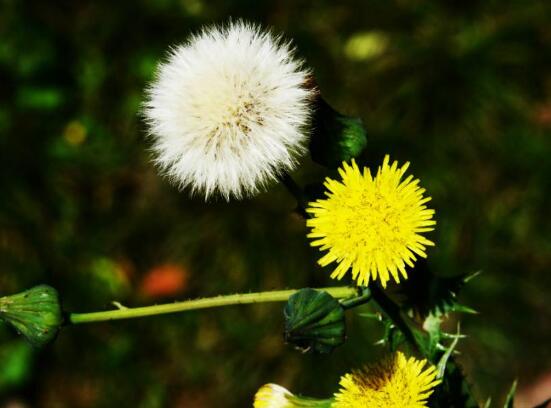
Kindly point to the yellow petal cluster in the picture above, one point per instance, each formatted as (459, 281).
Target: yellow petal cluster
(371, 225)
(394, 382)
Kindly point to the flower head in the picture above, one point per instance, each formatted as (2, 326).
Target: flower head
(227, 110)
(275, 396)
(272, 396)
(371, 224)
(394, 382)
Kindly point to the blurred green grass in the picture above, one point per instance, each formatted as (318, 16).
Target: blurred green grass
(462, 90)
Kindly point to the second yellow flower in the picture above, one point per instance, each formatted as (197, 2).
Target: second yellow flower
(371, 225)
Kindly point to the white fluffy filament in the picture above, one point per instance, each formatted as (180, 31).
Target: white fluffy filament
(227, 111)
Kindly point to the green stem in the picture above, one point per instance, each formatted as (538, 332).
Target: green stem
(296, 192)
(306, 402)
(364, 297)
(340, 292)
(392, 310)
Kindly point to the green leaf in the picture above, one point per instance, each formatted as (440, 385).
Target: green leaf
(335, 137)
(509, 400)
(441, 367)
(432, 326)
(454, 391)
(427, 294)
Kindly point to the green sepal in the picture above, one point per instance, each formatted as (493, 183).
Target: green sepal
(314, 321)
(335, 137)
(35, 313)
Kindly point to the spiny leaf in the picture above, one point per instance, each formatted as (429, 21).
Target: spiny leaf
(454, 392)
(425, 293)
(432, 326)
(441, 367)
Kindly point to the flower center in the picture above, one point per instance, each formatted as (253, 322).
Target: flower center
(239, 111)
(371, 221)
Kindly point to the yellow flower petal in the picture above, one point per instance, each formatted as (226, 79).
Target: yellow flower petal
(394, 382)
(372, 224)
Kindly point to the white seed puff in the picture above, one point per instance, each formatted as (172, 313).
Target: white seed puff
(227, 111)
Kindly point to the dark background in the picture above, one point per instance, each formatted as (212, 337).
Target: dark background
(460, 89)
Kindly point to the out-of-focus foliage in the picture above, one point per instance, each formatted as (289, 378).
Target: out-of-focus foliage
(460, 89)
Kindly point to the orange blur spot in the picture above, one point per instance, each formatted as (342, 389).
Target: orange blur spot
(164, 280)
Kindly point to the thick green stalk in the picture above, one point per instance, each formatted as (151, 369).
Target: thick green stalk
(394, 313)
(341, 292)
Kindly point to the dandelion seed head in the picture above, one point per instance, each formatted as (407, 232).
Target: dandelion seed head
(228, 109)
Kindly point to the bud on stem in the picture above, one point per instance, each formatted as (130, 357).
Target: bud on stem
(314, 321)
(335, 137)
(35, 313)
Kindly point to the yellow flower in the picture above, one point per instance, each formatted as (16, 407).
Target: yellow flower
(275, 396)
(272, 396)
(371, 224)
(394, 382)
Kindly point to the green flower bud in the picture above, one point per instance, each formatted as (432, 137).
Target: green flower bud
(35, 313)
(314, 321)
(335, 137)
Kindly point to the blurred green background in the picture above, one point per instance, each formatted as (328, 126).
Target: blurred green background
(461, 89)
